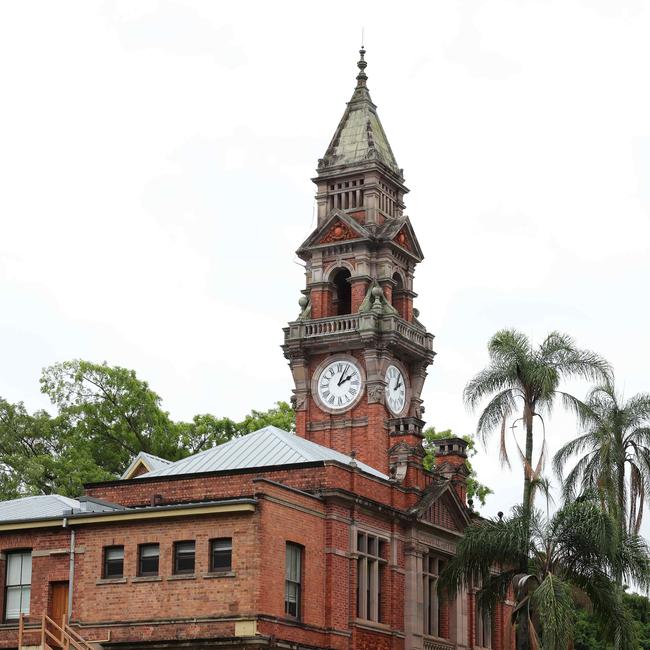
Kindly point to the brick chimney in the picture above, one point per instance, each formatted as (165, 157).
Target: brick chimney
(451, 459)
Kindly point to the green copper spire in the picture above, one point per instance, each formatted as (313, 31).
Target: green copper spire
(359, 137)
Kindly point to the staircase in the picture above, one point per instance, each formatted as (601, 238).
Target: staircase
(54, 636)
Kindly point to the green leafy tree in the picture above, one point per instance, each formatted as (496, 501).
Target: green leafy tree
(475, 489)
(281, 415)
(570, 553)
(114, 411)
(106, 416)
(522, 383)
(40, 454)
(205, 431)
(589, 628)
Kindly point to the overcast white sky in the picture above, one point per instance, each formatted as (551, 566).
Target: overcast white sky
(155, 159)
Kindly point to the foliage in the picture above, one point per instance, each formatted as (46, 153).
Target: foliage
(106, 415)
(573, 552)
(281, 416)
(114, 411)
(475, 489)
(615, 454)
(589, 629)
(524, 381)
(40, 455)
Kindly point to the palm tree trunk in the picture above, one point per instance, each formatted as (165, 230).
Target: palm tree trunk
(620, 515)
(523, 622)
(528, 470)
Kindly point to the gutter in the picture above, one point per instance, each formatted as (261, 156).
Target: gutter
(128, 514)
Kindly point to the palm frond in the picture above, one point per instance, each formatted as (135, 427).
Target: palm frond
(494, 378)
(500, 407)
(553, 604)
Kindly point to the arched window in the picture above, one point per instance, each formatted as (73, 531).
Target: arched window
(398, 294)
(342, 292)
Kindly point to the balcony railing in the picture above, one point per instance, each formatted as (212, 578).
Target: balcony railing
(437, 644)
(366, 322)
(332, 325)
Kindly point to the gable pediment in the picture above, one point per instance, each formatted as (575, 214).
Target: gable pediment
(338, 227)
(440, 505)
(400, 233)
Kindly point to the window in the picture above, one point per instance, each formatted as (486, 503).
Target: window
(148, 559)
(18, 584)
(434, 605)
(293, 581)
(184, 557)
(221, 554)
(371, 564)
(113, 561)
(483, 628)
(343, 292)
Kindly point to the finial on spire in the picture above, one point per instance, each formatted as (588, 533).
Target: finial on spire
(362, 76)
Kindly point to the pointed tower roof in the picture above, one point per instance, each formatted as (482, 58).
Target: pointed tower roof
(359, 137)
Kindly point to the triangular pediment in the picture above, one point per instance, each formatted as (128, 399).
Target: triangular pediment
(400, 233)
(338, 227)
(441, 506)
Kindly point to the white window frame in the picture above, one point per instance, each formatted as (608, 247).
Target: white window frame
(293, 579)
(22, 583)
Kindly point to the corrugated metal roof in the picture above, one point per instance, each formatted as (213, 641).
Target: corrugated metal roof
(267, 447)
(37, 507)
(150, 461)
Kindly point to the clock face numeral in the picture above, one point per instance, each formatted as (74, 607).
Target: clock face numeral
(395, 390)
(339, 384)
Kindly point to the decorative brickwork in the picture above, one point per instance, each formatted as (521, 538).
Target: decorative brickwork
(338, 232)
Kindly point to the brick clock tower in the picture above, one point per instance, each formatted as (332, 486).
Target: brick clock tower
(357, 352)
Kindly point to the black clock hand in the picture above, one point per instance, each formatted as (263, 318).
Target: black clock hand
(341, 380)
(397, 385)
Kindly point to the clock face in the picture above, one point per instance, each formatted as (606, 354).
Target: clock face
(395, 390)
(339, 385)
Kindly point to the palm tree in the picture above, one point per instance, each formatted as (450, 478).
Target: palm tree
(522, 379)
(615, 449)
(567, 555)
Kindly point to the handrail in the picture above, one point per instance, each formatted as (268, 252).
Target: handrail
(55, 636)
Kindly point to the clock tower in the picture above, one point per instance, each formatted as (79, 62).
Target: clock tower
(357, 352)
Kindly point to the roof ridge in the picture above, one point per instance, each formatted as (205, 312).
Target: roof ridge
(289, 443)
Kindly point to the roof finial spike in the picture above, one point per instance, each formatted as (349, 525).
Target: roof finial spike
(362, 76)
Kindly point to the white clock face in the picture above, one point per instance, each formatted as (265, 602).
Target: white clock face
(395, 390)
(339, 385)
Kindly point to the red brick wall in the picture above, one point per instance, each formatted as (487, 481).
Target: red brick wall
(45, 569)
(359, 290)
(370, 442)
(167, 597)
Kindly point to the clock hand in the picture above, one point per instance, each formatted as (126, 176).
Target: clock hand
(346, 379)
(397, 385)
(343, 375)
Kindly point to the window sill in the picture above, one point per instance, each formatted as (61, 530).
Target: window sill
(111, 581)
(374, 625)
(146, 579)
(182, 576)
(219, 574)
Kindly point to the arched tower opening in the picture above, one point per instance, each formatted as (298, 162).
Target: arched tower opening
(398, 295)
(342, 294)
